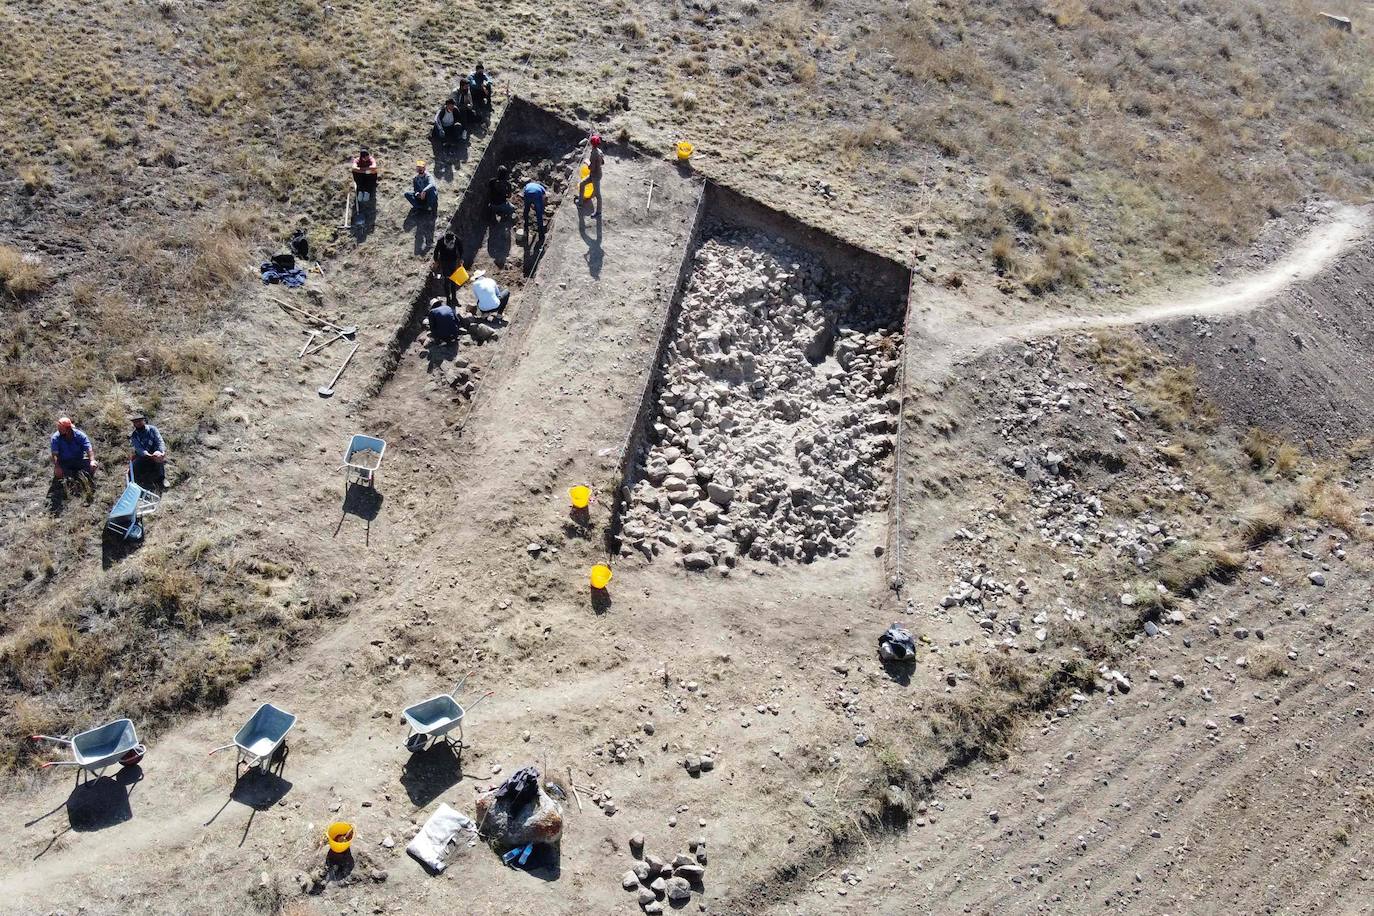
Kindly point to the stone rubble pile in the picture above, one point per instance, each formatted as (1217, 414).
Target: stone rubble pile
(775, 416)
(656, 882)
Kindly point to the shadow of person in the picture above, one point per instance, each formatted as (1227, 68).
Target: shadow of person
(498, 242)
(440, 155)
(438, 352)
(57, 496)
(421, 222)
(595, 254)
(365, 218)
(431, 772)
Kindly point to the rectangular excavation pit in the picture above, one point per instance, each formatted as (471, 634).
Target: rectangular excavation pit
(770, 425)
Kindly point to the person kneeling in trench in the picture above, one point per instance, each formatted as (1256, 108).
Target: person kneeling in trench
(491, 299)
(443, 322)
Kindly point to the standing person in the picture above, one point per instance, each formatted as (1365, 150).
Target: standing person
(72, 455)
(535, 195)
(448, 254)
(595, 161)
(149, 456)
(479, 84)
(498, 195)
(424, 193)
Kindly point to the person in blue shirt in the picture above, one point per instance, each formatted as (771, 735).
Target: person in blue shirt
(534, 195)
(72, 455)
(149, 454)
(479, 84)
(443, 321)
(424, 193)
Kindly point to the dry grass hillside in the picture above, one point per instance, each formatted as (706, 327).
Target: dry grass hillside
(154, 151)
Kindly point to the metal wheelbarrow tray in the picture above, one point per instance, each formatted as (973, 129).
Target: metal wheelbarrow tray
(261, 737)
(433, 719)
(98, 748)
(364, 455)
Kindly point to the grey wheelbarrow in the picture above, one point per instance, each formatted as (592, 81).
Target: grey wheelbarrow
(262, 739)
(99, 748)
(435, 719)
(363, 457)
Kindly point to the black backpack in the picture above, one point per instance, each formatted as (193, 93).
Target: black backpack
(300, 245)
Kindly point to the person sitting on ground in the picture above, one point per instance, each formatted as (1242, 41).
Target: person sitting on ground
(72, 455)
(498, 195)
(463, 94)
(491, 299)
(365, 176)
(443, 321)
(424, 193)
(448, 123)
(149, 455)
(448, 255)
(595, 160)
(479, 84)
(534, 195)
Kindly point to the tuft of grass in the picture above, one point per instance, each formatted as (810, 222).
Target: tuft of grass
(1268, 452)
(21, 276)
(1259, 523)
(1190, 564)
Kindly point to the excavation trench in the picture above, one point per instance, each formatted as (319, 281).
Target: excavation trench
(768, 427)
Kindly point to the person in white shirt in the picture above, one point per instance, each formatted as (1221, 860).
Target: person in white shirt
(491, 299)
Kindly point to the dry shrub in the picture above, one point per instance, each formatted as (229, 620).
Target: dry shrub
(21, 276)
(1268, 452)
(1259, 523)
(873, 135)
(1267, 663)
(1190, 564)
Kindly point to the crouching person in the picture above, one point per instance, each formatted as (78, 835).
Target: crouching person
(72, 456)
(149, 455)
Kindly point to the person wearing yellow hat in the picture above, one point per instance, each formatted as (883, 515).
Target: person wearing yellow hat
(424, 193)
(72, 455)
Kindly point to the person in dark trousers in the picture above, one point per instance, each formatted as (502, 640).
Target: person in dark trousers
(448, 255)
(365, 173)
(148, 458)
(443, 321)
(448, 123)
(72, 455)
(479, 84)
(595, 161)
(534, 195)
(424, 193)
(498, 195)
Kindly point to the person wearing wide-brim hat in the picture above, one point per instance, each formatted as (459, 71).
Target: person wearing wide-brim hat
(148, 461)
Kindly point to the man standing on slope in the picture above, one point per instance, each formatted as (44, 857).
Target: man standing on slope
(595, 160)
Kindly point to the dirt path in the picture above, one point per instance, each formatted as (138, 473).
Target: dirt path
(945, 340)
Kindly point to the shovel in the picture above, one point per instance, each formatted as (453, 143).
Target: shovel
(328, 390)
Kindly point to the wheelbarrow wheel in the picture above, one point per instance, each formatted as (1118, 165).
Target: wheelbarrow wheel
(416, 743)
(134, 757)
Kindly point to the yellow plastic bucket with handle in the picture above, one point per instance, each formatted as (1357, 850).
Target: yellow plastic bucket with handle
(601, 575)
(340, 836)
(580, 496)
(684, 151)
(459, 276)
(586, 191)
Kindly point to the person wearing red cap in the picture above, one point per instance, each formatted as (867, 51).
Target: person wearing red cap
(595, 160)
(72, 455)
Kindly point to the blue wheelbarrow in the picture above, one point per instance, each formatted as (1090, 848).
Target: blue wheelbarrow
(363, 457)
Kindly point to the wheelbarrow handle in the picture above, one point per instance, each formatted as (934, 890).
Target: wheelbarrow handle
(218, 749)
(62, 740)
(475, 702)
(60, 763)
(459, 686)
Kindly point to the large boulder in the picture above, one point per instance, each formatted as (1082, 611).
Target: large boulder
(519, 811)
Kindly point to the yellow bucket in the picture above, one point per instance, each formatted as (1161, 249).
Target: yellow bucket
(601, 575)
(340, 836)
(459, 276)
(586, 191)
(684, 151)
(580, 496)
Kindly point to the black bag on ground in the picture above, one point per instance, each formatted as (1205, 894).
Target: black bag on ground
(284, 261)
